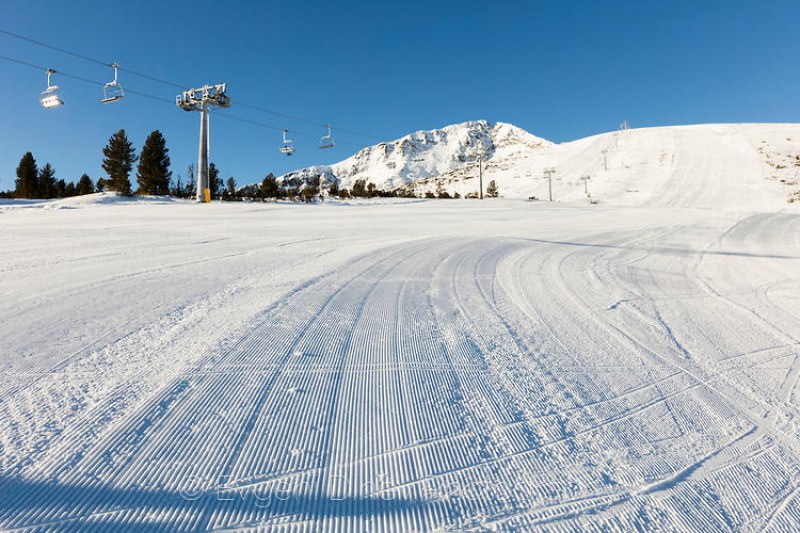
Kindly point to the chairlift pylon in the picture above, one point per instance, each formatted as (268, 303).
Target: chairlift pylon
(287, 147)
(50, 97)
(112, 91)
(326, 141)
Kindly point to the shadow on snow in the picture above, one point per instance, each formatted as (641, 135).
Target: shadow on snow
(49, 504)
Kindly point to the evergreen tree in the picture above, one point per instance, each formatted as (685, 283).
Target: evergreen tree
(47, 181)
(191, 183)
(189, 188)
(309, 193)
(27, 183)
(61, 189)
(177, 188)
(269, 187)
(214, 182)
(85, 185)
(119, 157)
(491, 190)
(359, 188)
(333, 189)
(153, 173)
(70, 189)
(230, 190)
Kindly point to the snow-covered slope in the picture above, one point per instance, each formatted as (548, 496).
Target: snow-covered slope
(739, 166)
(437, 366)
(427, 154)
(434, 366)
(732, 165)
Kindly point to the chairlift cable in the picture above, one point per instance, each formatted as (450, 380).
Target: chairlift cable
(177, 85)
(268, 126)
(87, 58)
(162, 99)
(50, 46)
(300, 119)
(83, 79)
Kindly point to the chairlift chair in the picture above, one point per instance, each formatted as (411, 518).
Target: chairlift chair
(112, 91)
(287, 147)
(326, 141)
(49, 97)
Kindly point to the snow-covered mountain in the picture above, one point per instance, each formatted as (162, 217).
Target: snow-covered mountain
(729, 165)
(424, 155)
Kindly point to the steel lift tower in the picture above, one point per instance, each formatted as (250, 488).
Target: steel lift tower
(200, 100)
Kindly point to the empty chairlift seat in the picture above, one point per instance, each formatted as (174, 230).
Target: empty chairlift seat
(112, 91)
(50, 97)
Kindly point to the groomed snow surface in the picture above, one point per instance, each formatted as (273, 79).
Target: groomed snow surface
(439, 365)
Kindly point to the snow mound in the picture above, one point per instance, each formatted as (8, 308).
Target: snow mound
(87, 200)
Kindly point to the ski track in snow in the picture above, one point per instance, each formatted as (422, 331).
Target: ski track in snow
(437, 366)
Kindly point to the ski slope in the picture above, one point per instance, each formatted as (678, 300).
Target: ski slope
(403, 366)
(742, 166)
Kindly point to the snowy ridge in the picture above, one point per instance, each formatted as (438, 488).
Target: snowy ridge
(722, 165)
(426, 154)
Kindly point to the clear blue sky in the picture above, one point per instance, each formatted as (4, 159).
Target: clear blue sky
(560, 69)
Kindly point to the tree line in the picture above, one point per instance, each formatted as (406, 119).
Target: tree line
(152, 174)
(33, 182)
(309, 191)
(154, 177)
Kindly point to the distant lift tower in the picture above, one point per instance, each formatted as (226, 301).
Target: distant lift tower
(199, 100)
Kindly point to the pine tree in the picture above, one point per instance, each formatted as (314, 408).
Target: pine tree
(27, 182)
(188, 189)
(309, 193)
(333, 189)
(491, 189)
(70, 190)
(177, 188)
(214, 183)
(47, 182)
(269, 187)
(359, 188)
(61, 189)
(230, 190)
(85, 185)
(118, 162)
(191, 183)
(153, 173)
